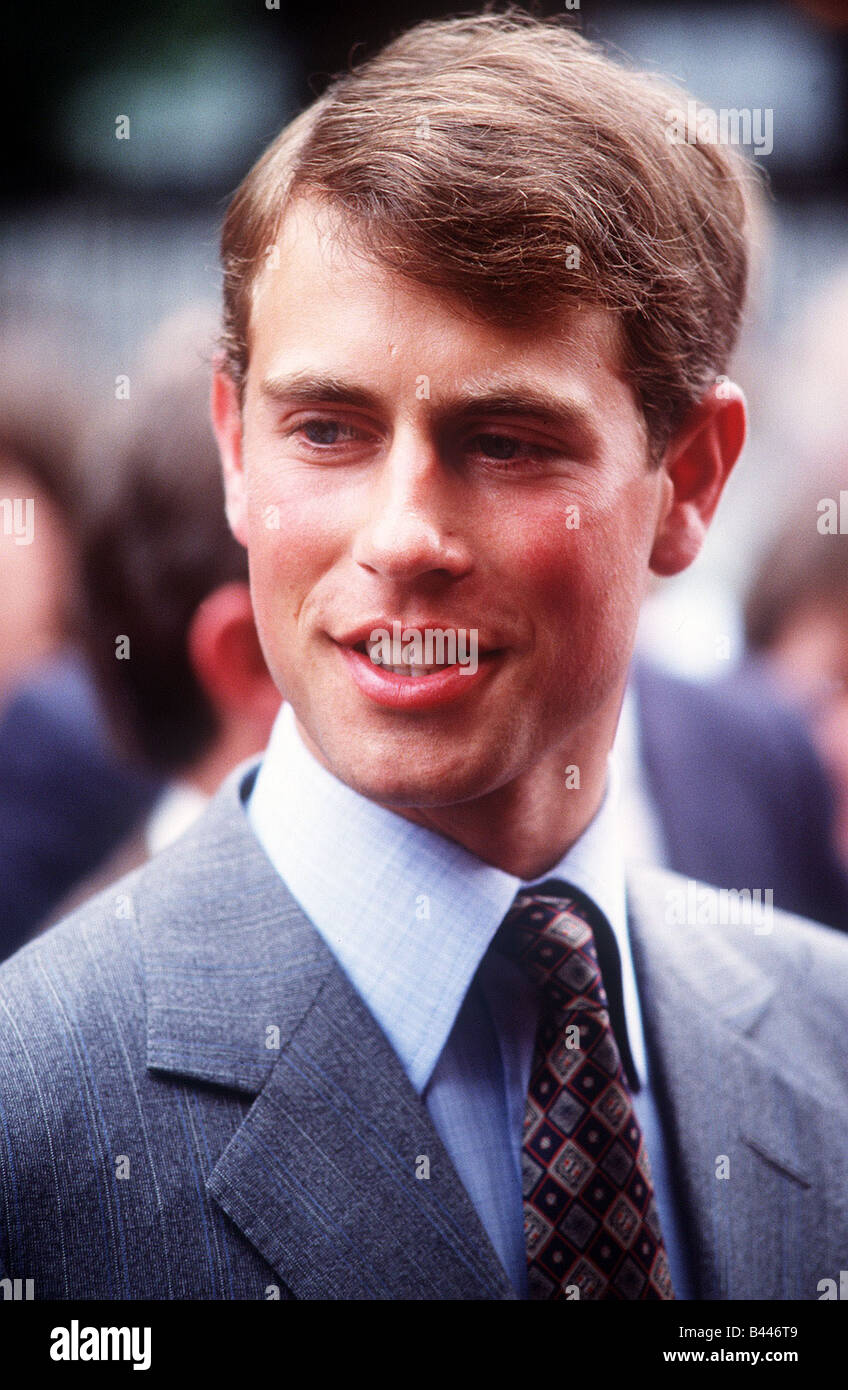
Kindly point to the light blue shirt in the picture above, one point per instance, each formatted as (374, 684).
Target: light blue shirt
(409, 916)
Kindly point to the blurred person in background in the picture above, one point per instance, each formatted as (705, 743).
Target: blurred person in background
(40, 419)
(796, 620)
(720, 781)
(167, 620)
(66, 796)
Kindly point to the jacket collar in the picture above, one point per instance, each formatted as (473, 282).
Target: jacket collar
(760, 1160)
(228, 954)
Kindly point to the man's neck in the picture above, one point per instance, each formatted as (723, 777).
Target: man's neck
(524, 828)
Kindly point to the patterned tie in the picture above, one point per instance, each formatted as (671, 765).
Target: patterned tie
(590, 1216)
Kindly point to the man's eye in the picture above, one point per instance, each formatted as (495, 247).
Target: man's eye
(327, 432)
(503, 448)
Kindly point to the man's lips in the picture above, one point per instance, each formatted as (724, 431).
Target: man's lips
(384, 687)
(415, 687)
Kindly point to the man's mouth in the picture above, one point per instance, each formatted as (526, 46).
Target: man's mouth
(415, 666)
(374, 650)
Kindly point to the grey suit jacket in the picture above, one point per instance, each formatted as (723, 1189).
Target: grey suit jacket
(195, 1102)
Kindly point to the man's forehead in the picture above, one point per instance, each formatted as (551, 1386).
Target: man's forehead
(319, 240)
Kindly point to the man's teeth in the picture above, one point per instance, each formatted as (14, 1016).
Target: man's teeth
(415, 670)
(375, 649)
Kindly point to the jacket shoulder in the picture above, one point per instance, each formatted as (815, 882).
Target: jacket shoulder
(706, 956)
(80, 971)
(658, 894)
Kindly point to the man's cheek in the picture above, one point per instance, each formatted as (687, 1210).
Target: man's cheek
(553, 576)
(278, 525)
(579, 594)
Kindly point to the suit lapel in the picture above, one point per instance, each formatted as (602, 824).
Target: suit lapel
(754, 1145)
(325, 1176)
(333, 1145)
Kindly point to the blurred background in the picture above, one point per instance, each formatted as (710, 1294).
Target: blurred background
(128, 127)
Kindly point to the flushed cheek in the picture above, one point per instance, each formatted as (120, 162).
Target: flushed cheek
(584, 602)
(558, 580)
(603, 556)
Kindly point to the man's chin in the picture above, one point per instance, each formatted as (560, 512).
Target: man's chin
(408, 770)
(409, 791)
(408, 782)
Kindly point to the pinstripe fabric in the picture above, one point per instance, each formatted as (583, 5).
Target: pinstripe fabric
(196, 1103)
(85, 1109)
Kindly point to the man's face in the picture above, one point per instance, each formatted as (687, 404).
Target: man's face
(398, 460)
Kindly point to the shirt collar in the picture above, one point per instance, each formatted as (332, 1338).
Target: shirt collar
(408, 914)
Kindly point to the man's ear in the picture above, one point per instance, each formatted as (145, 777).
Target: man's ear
(228, 661)
(697, 464)
(226, 422)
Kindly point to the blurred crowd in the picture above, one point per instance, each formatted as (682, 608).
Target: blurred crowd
(132, 679)
(131, 676)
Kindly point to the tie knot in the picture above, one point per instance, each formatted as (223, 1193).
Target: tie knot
(549, 935)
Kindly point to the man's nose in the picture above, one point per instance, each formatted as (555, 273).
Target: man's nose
(413, 524)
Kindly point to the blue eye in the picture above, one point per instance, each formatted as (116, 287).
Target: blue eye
(326, 432)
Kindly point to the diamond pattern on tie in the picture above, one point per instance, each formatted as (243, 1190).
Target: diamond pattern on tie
(590, 1216)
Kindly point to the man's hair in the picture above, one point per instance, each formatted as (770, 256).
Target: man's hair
(156, 545)
(41, 417)
(474, 155)
(801, 568)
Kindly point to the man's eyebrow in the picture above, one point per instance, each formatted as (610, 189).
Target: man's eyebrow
(306, 388)
(545, 405)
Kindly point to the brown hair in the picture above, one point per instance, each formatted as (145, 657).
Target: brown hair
(155, 546)
(475, 154)
(41, 414)
(802, 567)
